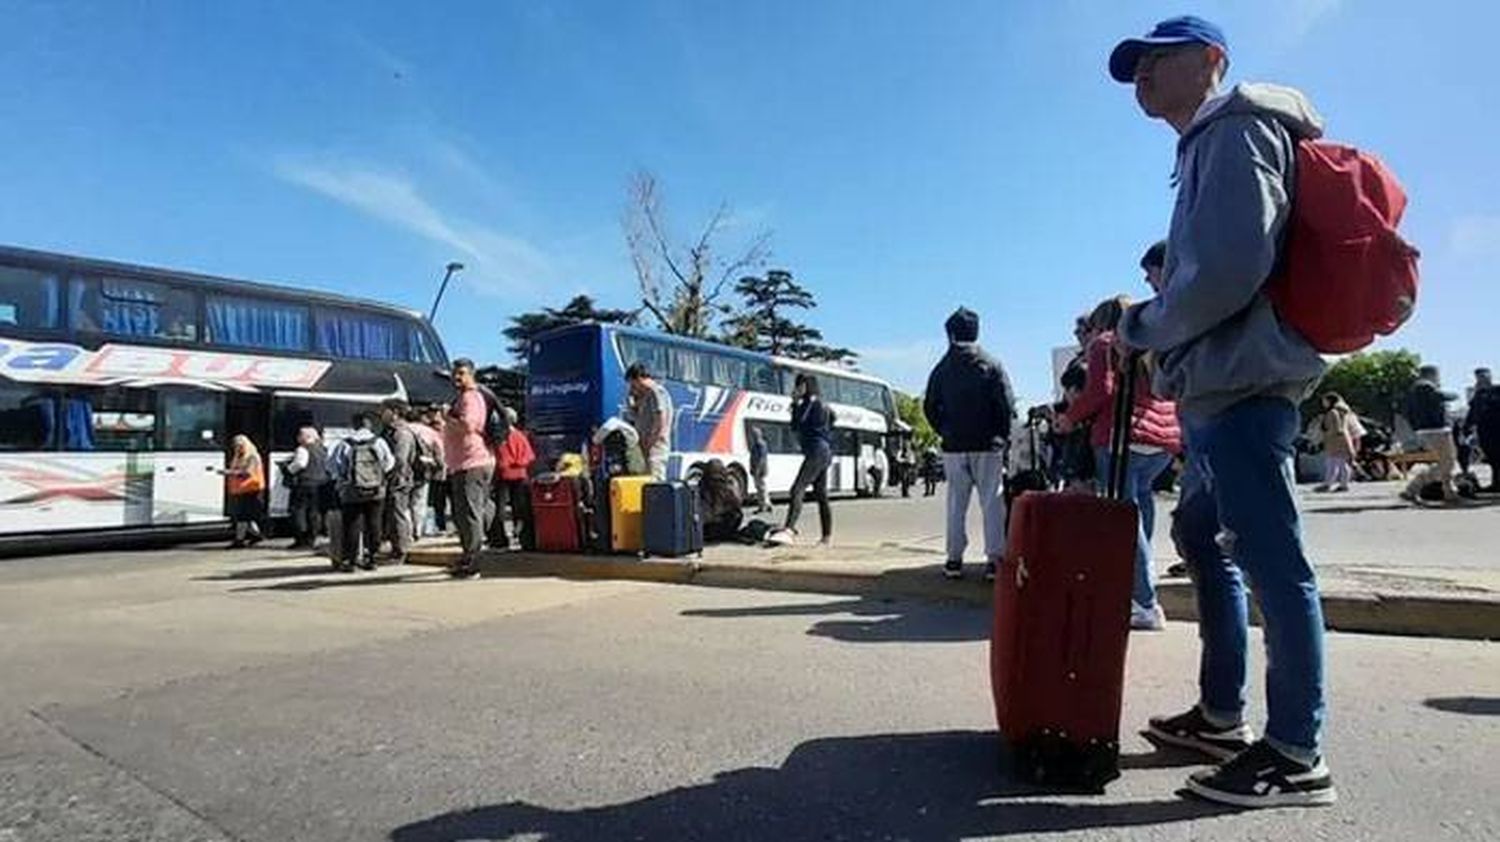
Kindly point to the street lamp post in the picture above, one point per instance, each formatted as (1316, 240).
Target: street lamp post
(451, 270)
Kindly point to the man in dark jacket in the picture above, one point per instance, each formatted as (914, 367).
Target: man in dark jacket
(1427, 411)
(969, 404)
(1484, 419)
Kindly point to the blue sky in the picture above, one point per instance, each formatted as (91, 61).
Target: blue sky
(908, 156)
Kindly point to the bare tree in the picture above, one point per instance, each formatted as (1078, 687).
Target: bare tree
(681, 285)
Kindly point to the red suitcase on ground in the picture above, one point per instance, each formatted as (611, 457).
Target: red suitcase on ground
(1062, 619)
(558, 513)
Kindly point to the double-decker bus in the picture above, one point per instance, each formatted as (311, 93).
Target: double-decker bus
(121, 386)
(576, 380)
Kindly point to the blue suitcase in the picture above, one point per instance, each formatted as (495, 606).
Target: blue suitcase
(673, 519)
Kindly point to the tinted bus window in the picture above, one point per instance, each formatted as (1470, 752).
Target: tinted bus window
(28, 418)
(191, 420)
(134, 309)
(118, 420)
(359, 336)
(29, 298)
(730, 371)
(256, 323)
(654, 355)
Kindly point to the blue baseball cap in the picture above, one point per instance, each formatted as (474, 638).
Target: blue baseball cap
(1186, 29)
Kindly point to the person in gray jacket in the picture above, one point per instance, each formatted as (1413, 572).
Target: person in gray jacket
(1237, 374)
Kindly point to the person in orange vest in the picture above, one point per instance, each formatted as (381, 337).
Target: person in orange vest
(513, 460)
(245, 479)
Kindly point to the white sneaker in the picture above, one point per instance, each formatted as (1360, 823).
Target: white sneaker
(783, 537)
(1147, 619)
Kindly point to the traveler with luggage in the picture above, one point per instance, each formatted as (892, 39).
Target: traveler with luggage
(409, 473)
(1427, 411)
(1154, 440)
(812, 421)
(471, 466)
(513, 461)
(360, 464)
(650, 413)
(307, 474)
(759, 453)
(1338, 431)
(969, 404)
(1236, 371)
(245, 480)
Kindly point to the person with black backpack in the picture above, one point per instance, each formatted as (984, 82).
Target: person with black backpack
(360, 464)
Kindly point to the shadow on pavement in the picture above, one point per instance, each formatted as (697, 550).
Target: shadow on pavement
(1470, 705)
(345, 580)
(1355, 508)
(880, 620)
(312, 567)
(933, 786)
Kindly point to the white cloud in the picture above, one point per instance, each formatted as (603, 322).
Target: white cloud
(496, 262)
(906, 365)
(1302, 15)
(1475, 236)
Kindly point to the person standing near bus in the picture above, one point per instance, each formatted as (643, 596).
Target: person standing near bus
(812, 421)
(651, 414)
(308, 472)
(361, 463)
(471, 466)
(402, 484)
(437, 490)
(431, 468)
(759, 456)
(969, 404)
(245, 479)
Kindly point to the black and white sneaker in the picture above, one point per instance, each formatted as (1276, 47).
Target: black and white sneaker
(1193, 730)
(1261, 776)
(953, 569)
(989, 571)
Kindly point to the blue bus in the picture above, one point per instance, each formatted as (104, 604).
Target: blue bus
(576, 380)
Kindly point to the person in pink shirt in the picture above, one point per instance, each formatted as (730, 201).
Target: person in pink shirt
(471, 466)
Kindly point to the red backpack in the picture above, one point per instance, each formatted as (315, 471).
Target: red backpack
(1345, 274)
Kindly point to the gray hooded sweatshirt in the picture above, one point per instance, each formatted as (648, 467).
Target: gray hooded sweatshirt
(1216, 337)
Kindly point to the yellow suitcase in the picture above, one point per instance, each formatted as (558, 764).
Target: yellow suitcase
(627, 514)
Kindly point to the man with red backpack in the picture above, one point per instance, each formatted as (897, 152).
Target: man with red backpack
(1237, 371)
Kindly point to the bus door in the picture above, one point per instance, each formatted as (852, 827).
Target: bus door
(249, 413)
(187, 487)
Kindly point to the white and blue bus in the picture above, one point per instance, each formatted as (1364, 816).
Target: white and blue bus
(121, 386)
(576, 380)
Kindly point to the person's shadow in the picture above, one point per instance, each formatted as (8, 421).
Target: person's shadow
(875, 620)
(933, 786)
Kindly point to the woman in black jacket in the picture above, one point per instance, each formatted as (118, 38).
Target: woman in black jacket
(813, 422)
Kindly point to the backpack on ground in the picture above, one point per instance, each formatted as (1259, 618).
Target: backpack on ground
(1345, 274)
(755, 532)
(366, 477)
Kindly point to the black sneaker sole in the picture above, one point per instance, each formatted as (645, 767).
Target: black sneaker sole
(1312, 798)
(1217, 751)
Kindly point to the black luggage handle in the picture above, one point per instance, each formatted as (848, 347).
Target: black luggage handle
(1119, 436)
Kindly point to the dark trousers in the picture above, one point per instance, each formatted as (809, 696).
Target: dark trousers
(437, 497)
(472, 508)
(307, 517)
(362, 520)
(814, 472)
(512, 504)
(1489, 442)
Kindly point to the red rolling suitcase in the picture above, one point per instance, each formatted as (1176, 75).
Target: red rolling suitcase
(1062, 619)
(558, 513)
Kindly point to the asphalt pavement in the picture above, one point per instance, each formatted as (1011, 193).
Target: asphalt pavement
(198, 694)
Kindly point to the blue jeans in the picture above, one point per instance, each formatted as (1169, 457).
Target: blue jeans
(1140, 473)
(1238, 524)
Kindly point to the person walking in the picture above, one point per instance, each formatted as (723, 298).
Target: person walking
(401, 491)
(1339, 432)
(1484, 419)
(932, 468)
(513, 460)
(360, 464)
(759, 455)
(307, 474)
(1427, 411)
(650, 413)
(1155, 440)
(812, 421)
(245, 480)
(471, 467)
(969, 403)
(1237, 374)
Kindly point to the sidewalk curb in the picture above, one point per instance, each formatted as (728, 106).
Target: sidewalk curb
(1421, 615)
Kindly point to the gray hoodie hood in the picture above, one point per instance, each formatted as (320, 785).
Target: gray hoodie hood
(1216, 337)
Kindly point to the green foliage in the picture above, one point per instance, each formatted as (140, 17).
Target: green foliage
(762, 323)
(581, 309)
(1374, 383)
(909, 407)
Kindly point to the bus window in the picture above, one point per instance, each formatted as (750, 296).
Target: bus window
(687, 365)
(29, 298)
(652, 354)
(130, 308)
(118, 420)
(256, 323)
(358, 336)
(730, 372)
(764, 377)
(28, 418)
(424, 349)
(191, 420)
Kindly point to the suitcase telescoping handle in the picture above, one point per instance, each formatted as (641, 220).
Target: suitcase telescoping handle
(1119, 436)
